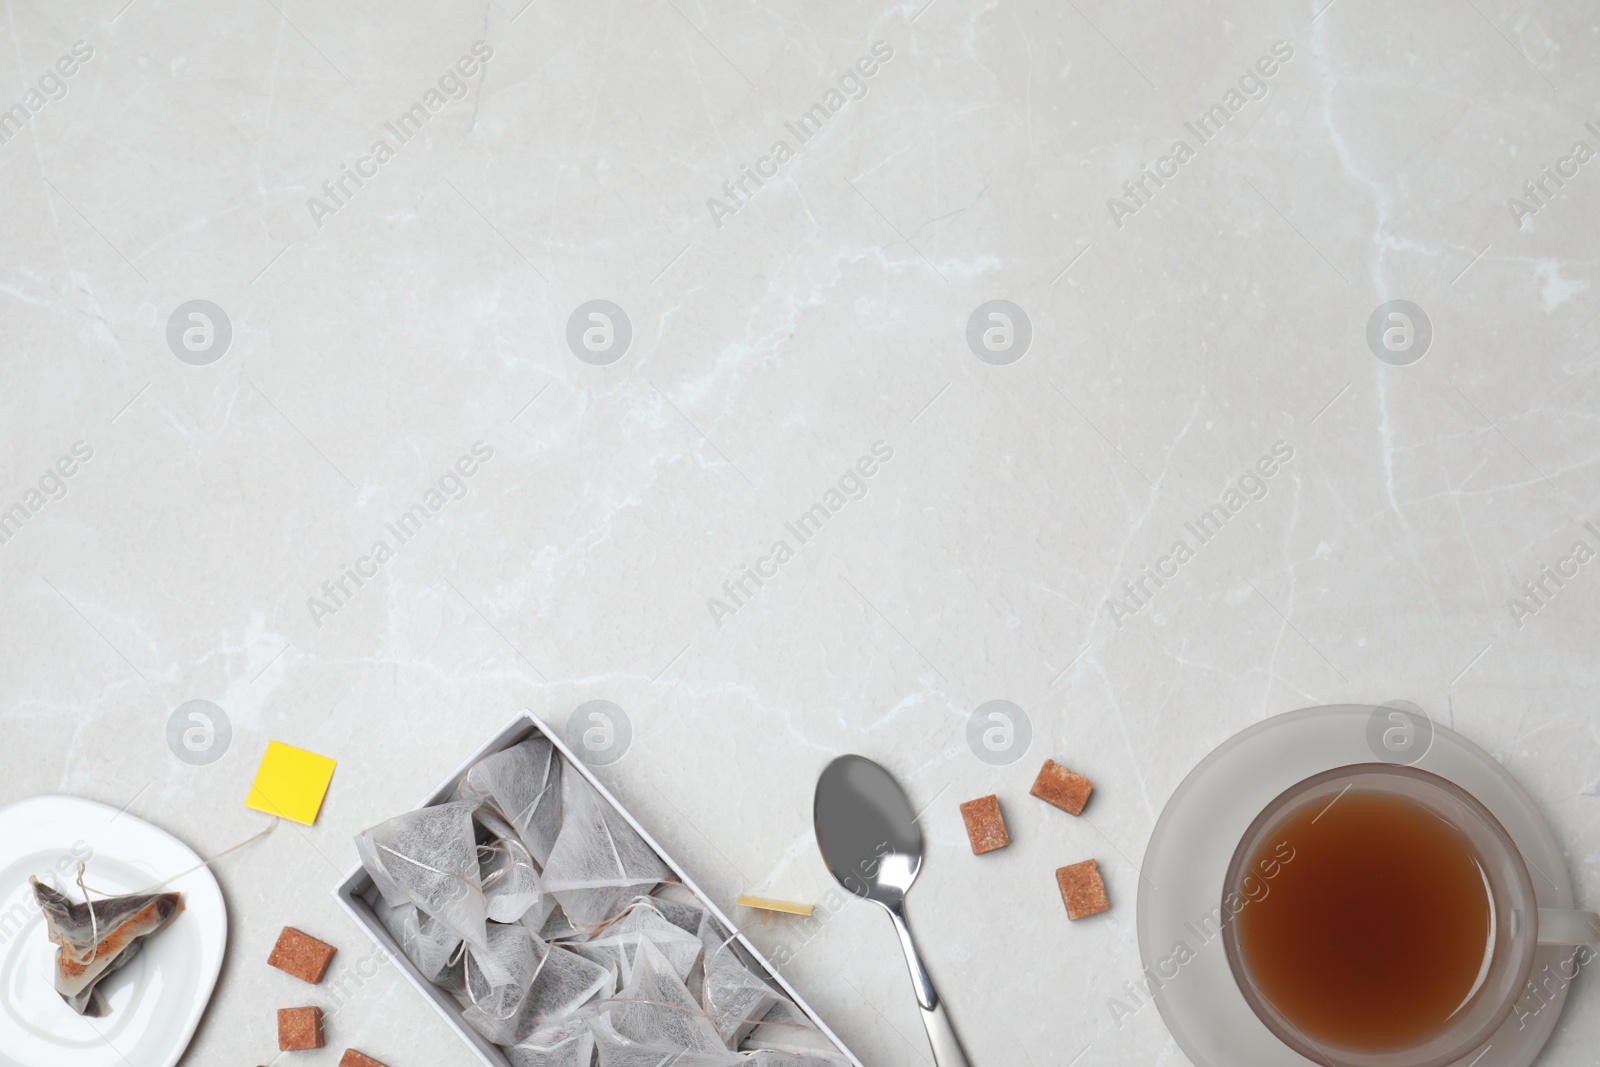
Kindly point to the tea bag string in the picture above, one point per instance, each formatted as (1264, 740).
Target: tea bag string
(596, 929)
(465, 957)
(258, 835)
(448, 874)
(534, 977)
(94, 922)
(464, 954)
(706, 989)
(510, 848)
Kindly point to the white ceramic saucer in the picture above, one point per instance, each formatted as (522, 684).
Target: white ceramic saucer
(157, 999)
(1180, 886)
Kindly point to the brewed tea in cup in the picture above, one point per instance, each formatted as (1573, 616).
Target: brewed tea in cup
(1397, 927)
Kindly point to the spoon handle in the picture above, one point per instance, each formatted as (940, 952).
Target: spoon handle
(941, 1035)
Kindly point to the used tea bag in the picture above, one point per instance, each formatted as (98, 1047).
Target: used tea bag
(99, 937)
(568, 1043)
(560, 984)
(510, 882)
(429, 857)
(615, 946)
(734, 997)
(426, 942)
(599, 862)
(522, 786)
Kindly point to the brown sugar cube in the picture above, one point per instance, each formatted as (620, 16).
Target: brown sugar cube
(352, 1058)
(986, 827)
(301, 955)
(299, 1029)
(1082, 890)
(1066, 789)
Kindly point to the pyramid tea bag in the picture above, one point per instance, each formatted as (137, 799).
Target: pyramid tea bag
(734, 996)
(429, 858)
(568, 1043)
(615, 946)
(555, 926)
(426, 942)
(522, 787)
(499, 976)
(599, 862)
(538, 915)
(488, 818)
(779, 1058)
(786, 1036)
(510, 882)
(560, 983)
(685, 917)
(655, 1008)
(99, 937)
(619, 1050)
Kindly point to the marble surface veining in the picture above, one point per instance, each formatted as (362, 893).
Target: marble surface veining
(397, 217)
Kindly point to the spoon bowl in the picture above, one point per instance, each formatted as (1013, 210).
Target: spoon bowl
(866, 830)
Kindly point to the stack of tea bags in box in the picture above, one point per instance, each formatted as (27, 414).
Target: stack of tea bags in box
(563, 935)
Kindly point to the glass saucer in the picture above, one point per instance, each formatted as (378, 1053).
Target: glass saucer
(1180, 887)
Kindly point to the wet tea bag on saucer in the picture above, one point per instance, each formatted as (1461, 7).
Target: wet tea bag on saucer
(429, 857)
(99, 937)
(599, 862)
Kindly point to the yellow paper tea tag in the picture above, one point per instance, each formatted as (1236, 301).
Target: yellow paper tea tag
(788, 907)
(290, 782)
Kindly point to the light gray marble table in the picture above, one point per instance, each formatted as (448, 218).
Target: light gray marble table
(397, 216)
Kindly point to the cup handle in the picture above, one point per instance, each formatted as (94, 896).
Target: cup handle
(1558, 927)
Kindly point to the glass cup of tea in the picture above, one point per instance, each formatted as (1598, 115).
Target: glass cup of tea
(1385, 918)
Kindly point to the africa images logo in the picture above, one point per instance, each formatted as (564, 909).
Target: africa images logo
(451, 88)
(1253, 85)
(852, 485)
(452, 485)
(52, 86)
